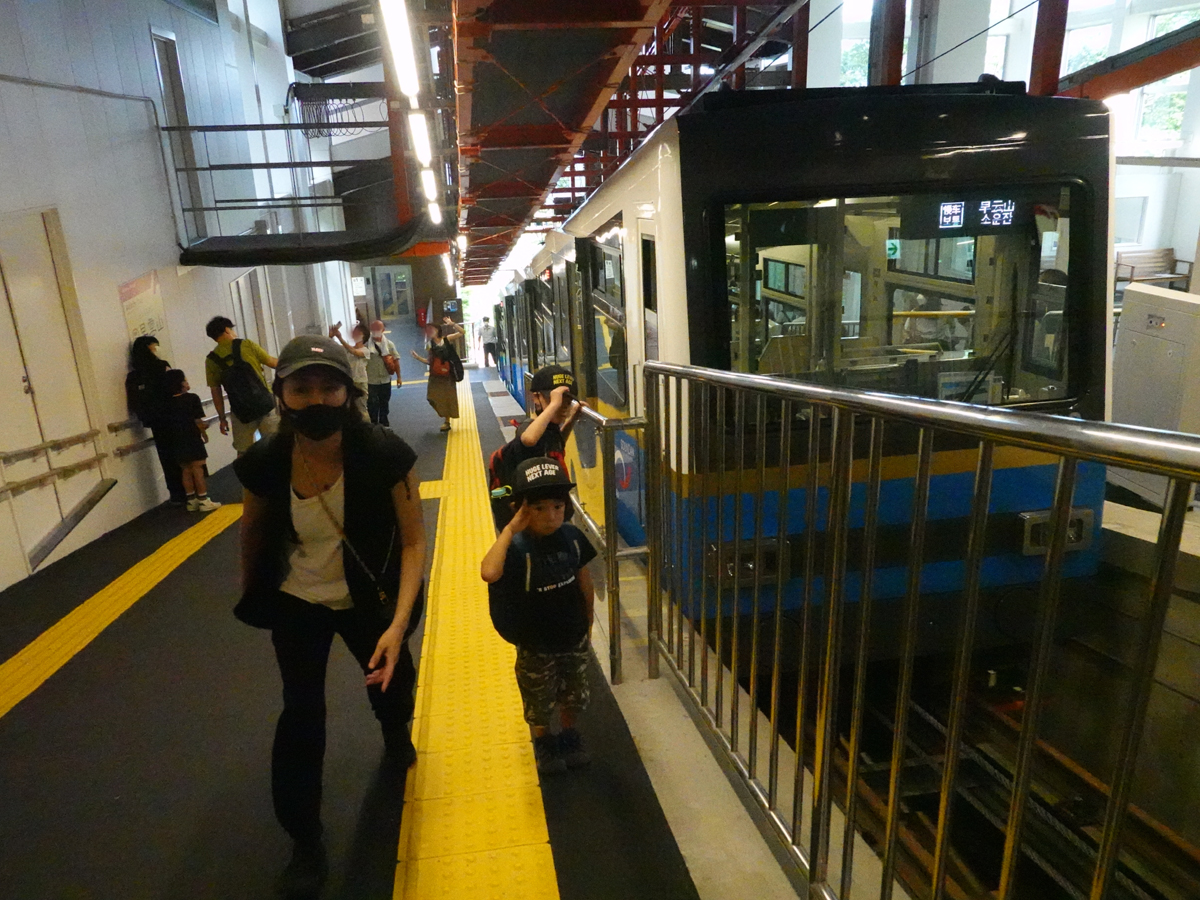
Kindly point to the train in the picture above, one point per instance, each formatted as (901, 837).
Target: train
(941, 241)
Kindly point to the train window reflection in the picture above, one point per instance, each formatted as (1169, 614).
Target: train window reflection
(956, 295)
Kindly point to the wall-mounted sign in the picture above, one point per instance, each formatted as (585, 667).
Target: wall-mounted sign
(358, 285)
(142, 304)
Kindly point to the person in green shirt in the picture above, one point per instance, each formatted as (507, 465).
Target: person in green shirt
(222, 330)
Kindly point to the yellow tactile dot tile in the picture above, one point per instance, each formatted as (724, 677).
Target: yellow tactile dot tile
(499, 691)
(514, 873)
(458, 728)
(477, 822)
(474, 771)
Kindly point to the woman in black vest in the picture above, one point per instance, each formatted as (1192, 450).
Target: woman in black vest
(332, 543)
(147, 397)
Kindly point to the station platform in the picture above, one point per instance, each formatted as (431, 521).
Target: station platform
(136, 719)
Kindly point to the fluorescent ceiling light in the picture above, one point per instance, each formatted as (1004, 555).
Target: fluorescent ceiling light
(449, 270)
(399, 35)
(462, 243)
(435, 214)
(429, 184)
(418, 132)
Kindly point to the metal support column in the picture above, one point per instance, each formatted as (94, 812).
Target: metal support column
(887, 42)
(1048, 37)
(800, 47)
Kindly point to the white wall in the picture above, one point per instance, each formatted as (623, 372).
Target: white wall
(97, 160)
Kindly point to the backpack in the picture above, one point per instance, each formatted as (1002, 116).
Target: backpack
(502, 465)
(249, 398)
(142, 395)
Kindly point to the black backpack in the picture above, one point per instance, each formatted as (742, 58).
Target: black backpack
(144, 397)
(249, 398)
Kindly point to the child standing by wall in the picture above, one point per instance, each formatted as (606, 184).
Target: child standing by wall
(541, 599)
(185, 421)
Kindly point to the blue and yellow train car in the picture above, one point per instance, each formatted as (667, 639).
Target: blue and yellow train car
(946, 241)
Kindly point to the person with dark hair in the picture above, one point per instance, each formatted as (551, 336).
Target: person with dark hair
(333, 543)
(541, 599)
(147, 397)
(184, 418)
(235, 365)
(445, 371)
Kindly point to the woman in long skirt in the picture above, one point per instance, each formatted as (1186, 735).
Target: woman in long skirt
(445, 371)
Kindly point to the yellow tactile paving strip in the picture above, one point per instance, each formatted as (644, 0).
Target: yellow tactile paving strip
(474, 827)
(24, 673)
(431, 490)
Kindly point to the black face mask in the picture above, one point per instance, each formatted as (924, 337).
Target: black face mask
(318, 421)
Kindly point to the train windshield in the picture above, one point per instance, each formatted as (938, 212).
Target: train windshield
(952, 295)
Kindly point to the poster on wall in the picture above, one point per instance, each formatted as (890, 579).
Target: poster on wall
(141, 302)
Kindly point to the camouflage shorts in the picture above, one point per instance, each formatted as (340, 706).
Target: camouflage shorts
(547, 679)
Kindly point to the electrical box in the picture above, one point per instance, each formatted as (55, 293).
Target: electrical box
(1156, 373)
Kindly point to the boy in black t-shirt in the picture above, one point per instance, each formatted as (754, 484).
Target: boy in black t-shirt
(541, 599)
(551, 392)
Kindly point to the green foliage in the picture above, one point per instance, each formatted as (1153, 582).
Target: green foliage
(855, 57)
(1162, 113)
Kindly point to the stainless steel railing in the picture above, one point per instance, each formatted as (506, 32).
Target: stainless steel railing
(605, 533)
(815, 785)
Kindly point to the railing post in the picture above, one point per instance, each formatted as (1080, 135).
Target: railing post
(1169, 536)
(612, 563)
(826, 724)
(653, 457)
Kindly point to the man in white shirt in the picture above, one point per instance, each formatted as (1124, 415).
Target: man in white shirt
(487, 337)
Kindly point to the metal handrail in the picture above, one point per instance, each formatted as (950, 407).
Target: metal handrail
(694, 585)
(608, 534)
(1128, 446)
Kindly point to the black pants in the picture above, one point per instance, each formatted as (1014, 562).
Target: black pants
(166, 458)
(379, 396)
(489, 351)
(302, 640)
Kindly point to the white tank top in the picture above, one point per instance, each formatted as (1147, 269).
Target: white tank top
(315, 570)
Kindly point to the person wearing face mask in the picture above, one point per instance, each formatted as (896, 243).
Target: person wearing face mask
(379, 377)
(333, 543)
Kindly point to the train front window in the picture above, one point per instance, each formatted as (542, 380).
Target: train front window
(955, 295)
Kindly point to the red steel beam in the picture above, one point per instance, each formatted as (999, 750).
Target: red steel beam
(800, 47)
(1137, 67)
(739, 37)
(887, 42)
(1048, 37)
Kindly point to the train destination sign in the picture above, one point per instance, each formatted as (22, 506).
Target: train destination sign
(986, 213)
(925, 216)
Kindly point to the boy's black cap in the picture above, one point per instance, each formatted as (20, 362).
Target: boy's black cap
(547, 378)
(313, 350)
(541, 474)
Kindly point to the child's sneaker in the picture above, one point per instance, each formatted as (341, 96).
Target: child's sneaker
(545, 752)
(204, 505)
(570, 747)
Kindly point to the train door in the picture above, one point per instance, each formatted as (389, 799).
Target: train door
(393, 291)
(648, 271)
(604, 301)
(49, 458)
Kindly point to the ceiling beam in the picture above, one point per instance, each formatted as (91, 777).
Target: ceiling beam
(1137, 67)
